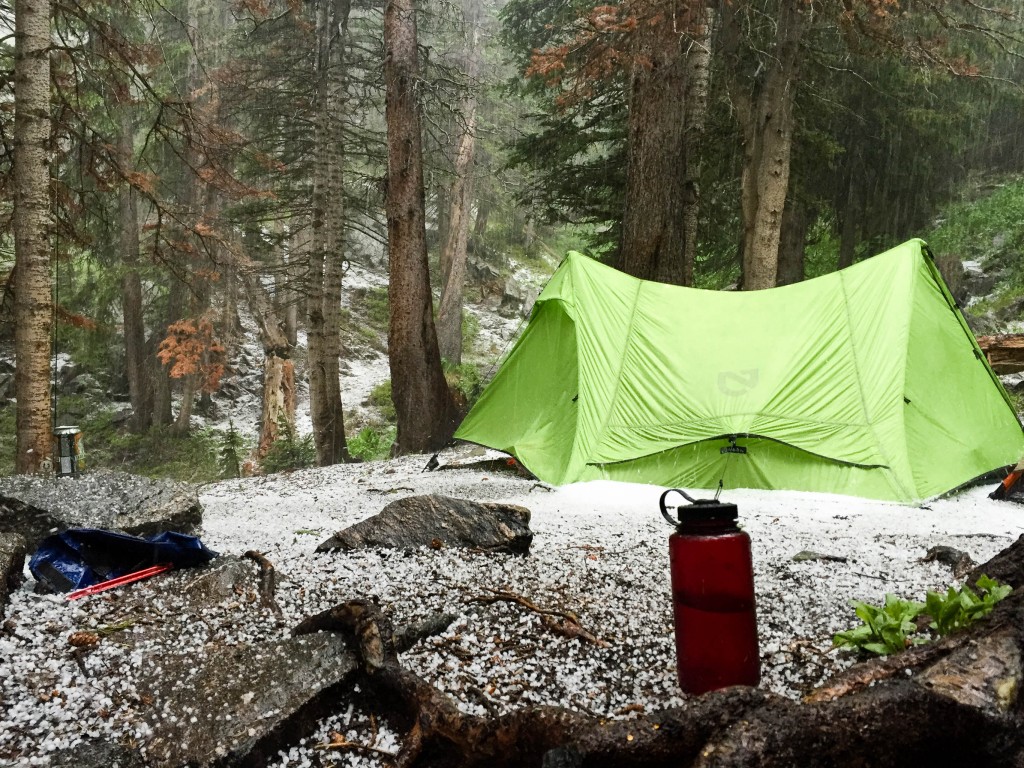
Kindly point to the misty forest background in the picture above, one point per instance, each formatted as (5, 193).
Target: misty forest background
(171, 168)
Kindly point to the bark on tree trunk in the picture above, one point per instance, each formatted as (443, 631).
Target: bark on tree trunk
(483, 212)
(140, 390)
(194, 297)
(423, 403)
(278, 369)
(698, 79)
(33, 308)
(795, 221)
(454, 247)
(1005, 352)
(327, 238)
(160, 382)
(848, 227)
(766, 116)
(294, 256)
(653, 236)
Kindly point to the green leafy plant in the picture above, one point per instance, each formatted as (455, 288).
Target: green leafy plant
(156, 453)
(893, 627)
(372, 444)
(886, 629)
(958, 608)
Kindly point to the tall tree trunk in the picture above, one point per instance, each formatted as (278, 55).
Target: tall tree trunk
(454, 247)
(140, 388)
(189, 302)
(483, 213)
(653, 238)
(295, 255)
(848, 226)
(324, 329)
(766, 116)
(698, 79)
(160, 380)
(423, 403)
(33, 307)
(795, 221)
(278, 369)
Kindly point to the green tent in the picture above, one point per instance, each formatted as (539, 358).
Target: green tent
(865, 382)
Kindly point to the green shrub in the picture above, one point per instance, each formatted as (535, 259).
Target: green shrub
(372, 444)
(157, 453)
(465, 379)
(470, 329)
(289, 451)
(232, 449)
(380, 397)
(987, 227)
(378, 309)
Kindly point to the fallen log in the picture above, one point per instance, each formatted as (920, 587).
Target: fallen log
(955, 701)
(1004, 351)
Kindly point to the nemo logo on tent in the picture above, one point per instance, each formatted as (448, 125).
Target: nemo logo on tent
(736, 383)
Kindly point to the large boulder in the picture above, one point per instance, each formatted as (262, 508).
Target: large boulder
(237, 706)
(219, 704)
(439, 521)
(35, 507)
(12, 564)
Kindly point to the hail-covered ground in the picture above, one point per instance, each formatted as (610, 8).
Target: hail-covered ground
(600, 552)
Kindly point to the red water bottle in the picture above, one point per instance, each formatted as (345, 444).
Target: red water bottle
(712, 596)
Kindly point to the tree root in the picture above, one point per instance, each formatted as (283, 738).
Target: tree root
(561, 623)
(268, 581)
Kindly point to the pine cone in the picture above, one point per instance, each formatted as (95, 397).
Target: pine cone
(83, 639)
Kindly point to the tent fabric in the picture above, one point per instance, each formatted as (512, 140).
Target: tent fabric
(864, 382)
(81, 557)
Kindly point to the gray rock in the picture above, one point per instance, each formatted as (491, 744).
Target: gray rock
(981, 325)
(82, 384)
(253, 698)
(98, 753)
(513, 298)
(956, 559)
(35, 506)
(226, 576)
(439, 521)
(12, 565)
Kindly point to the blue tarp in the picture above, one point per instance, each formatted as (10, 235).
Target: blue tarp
(81, 557)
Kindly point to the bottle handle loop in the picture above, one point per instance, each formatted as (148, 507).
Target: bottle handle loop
(664, 509)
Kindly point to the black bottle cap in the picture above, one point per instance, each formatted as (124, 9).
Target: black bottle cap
(707, 510)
